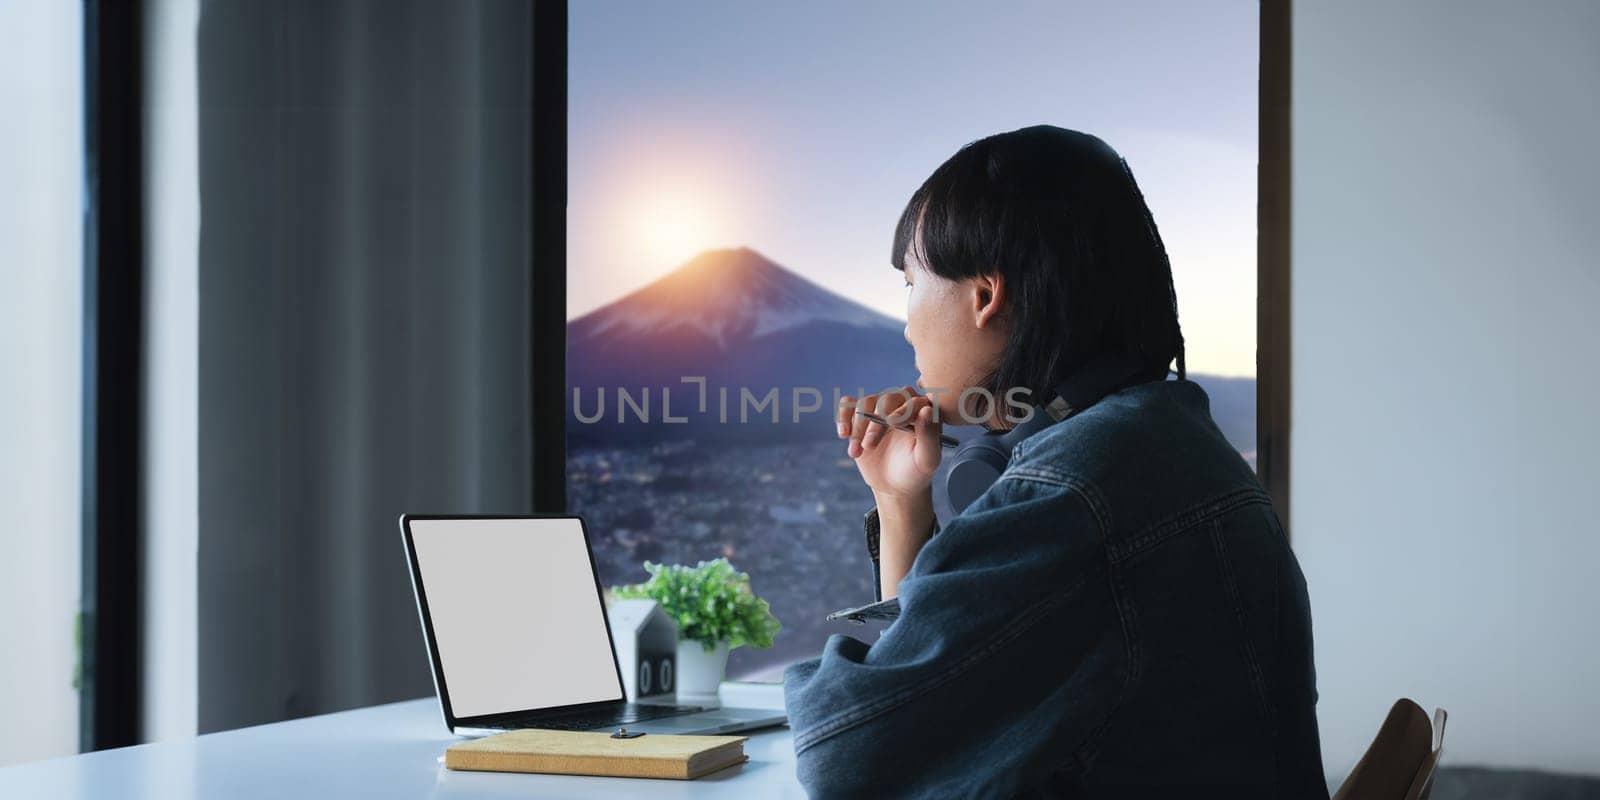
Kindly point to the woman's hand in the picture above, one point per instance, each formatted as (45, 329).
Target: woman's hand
(896, 464)
(899, 468)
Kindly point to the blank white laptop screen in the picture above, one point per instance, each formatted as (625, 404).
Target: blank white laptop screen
(516, 616)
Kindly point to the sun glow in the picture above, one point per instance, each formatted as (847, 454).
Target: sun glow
(667, 227)
(647, 198)
(669, 216)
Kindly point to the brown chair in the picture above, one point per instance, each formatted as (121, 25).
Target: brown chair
(1401, 761)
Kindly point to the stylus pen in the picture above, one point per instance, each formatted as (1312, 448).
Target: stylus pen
(944, 441)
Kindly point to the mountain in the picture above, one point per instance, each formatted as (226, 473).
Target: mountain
(724, 296)
(742, 322)
(1233, 408)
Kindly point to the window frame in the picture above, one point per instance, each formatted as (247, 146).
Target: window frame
(110, 710)
(1273, 252)
(548, 271)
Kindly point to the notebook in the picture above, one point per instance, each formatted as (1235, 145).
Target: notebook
(589, 753)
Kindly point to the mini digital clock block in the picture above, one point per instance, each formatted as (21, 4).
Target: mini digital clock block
(647, 647)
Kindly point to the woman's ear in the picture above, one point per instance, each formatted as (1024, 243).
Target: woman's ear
(989, 299)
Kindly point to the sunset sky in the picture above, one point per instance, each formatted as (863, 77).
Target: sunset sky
(801, 129)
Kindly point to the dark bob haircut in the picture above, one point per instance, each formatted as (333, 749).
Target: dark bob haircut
(1057, 214)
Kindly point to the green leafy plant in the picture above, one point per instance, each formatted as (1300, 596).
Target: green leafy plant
(711, 601)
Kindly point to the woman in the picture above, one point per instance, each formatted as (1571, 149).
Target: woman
(1119, 615)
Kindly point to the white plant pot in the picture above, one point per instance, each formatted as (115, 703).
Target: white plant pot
(700, 670)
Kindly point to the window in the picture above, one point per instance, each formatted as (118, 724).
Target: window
(41, 322)
(735, 171)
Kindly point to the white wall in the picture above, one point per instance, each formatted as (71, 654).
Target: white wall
(1446, 291)
(41, 324)
(172, 294)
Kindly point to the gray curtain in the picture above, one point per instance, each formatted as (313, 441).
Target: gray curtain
(364, 330)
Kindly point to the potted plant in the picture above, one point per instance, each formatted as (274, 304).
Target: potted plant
(715, 610)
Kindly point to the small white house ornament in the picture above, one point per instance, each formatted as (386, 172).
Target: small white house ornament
(647, 647)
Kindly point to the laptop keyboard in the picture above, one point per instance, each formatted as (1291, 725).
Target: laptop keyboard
(626, 714)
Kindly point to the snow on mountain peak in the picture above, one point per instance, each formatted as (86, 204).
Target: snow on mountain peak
(728, 292)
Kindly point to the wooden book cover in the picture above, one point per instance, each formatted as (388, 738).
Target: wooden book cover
(587, 753)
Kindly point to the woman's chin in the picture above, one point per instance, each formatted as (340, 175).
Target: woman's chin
(948, 417)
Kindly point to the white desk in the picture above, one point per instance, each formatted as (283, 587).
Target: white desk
(383, 751)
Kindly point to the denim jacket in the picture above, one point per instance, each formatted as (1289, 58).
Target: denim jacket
(1119, 615)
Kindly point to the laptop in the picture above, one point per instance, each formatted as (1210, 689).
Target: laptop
(517, 633)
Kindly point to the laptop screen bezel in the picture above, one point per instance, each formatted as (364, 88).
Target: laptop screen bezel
(437, 666)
